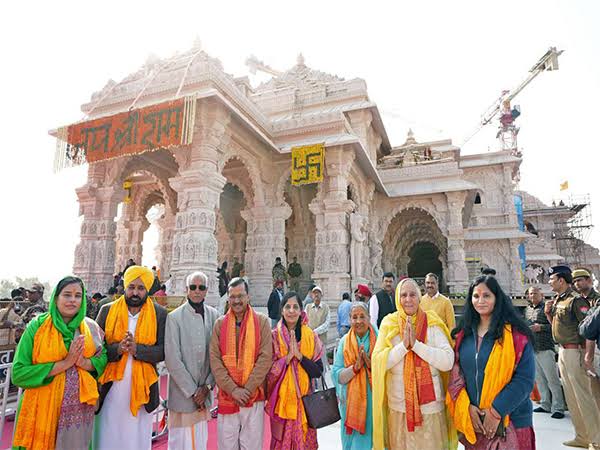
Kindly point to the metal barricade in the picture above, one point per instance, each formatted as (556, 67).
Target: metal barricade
(161, 413)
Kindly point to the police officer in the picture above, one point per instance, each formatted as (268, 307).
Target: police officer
(582, 279)
(565, 313)
(584, 285)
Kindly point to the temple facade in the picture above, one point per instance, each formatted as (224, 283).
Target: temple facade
(411, 209)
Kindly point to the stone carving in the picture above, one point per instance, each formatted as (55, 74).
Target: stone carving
(319, 264)
(375, 257)
(532, 274)
(358, 233)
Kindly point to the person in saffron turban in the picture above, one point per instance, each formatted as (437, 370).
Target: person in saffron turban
(135, 338)
(352, 379)
(56, 362)
(297, 352)
(412, 352)
(494, 372)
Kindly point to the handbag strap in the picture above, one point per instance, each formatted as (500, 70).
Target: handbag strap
(323, 381)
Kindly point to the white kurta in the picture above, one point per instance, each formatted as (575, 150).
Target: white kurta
(117, 428)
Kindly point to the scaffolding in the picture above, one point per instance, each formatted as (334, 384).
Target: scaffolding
(572, 231)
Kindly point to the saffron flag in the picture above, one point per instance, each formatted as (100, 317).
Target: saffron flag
(308, 164)
(564, 186)
(163, 125)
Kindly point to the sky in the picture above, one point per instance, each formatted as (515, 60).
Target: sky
(434, 66)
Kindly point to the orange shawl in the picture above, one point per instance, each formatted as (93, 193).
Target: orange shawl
(239, 356)
(40, 409)
(356, 398)
(143, 374)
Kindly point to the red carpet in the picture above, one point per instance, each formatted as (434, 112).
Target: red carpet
(161, 443)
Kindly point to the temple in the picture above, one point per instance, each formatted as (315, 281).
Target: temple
(411, 209)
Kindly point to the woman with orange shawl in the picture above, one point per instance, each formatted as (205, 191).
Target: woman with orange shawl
(297, 352)
(56, 363)
(412, 350)
(352, 378)
(494, 372)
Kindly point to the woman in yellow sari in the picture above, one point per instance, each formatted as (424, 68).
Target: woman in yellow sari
(411, 353)
(297, 352)
(57, 360)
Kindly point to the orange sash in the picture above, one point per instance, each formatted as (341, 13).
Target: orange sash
(143, 374)
(418, 384)
(356, 397)
(40, 409)
(239, 359)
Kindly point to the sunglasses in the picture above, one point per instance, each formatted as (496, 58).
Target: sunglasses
(192, 287)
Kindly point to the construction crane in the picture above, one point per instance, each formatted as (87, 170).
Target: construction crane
(507, 130)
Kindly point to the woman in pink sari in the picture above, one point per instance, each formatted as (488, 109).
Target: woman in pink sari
(297, 353)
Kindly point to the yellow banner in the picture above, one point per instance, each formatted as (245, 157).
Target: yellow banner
(308, 164)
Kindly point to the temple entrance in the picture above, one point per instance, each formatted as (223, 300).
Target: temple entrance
(424, 259)
(300, 231)
(150, 241)
(414, 246)
(231, 228)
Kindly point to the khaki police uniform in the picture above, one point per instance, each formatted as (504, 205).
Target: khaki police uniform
(568, 311)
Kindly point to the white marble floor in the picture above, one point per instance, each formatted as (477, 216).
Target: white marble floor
(550, 433)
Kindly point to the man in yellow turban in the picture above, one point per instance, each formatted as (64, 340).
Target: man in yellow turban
(135, 334)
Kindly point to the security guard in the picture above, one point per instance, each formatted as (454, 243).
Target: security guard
(582, 279)
(565, 313)
(584, 285)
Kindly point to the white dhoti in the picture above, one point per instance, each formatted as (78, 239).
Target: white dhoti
(244, 430)
(188, 431)
(116, 427)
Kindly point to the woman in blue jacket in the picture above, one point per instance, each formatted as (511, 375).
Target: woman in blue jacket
(494, 372)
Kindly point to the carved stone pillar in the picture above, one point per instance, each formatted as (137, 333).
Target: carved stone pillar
(458, 274)
(199, 185)
(165, 245)
(332, 265)
(402, 269)
(516, 272)
(95, 253)
(194, 242)
(130, 235)
(265, 241)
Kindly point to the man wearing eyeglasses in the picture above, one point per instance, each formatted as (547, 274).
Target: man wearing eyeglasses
(187, 357)
(240, 358)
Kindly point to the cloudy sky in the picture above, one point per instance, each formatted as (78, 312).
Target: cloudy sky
(434, 66)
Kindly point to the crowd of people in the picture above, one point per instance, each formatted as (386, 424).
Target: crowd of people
(406, 376)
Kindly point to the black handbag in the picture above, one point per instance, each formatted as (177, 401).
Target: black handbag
(321, 407)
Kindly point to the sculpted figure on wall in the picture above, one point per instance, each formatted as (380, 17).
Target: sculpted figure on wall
(358, 235)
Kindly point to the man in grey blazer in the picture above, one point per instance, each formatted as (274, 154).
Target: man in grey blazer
(188, 333)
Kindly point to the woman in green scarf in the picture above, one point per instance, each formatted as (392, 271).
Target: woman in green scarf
(57, 361)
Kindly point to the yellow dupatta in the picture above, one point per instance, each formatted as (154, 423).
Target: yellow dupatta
(40, 409)
(498, 373)
(143, 374)
(289, 399)
(391, 327)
